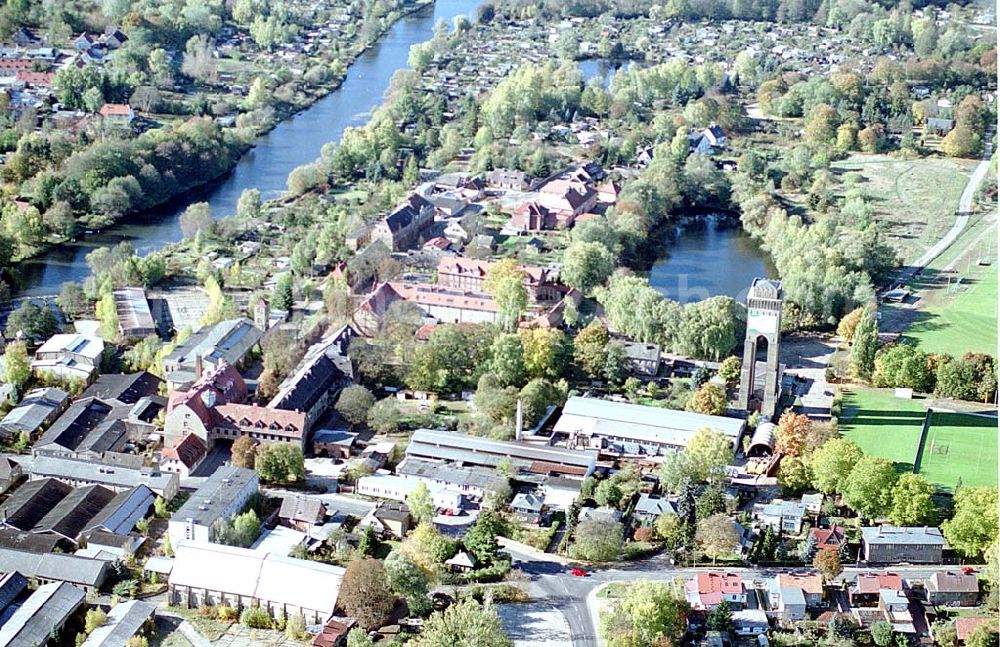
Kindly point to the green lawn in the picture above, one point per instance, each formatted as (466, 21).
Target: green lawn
(914, 211)
(883, 425)
(960, 446)
(962, 324)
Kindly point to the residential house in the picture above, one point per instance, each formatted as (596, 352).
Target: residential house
(456, 233)
(964, 627)
(42, 615)
(608, 193)
(938, 126)
(10, 473)
(508, 180)
(893, 545)
(567, 199)
(651, 507)
(25, 37)
(453, 482)
(462, 562)
(532, 216)
(388, 519)
(788, 604)
(643, 359)
(334, 443)
(401, 229)
(224, 494)
(948, 589)
(69, 356)
(813, 503)
(113, 38)
(135, 320)
(864, 592)
(706, 590)
(810, 585)
(750, 622)
(895, 606)
(527, 508)
(117, 115)
(781, 516)
(832, 538)
(301, 512)
(124, 620)
(229, 342)
(633, 429)
(184, 457)
(207, 574)
(38, 408)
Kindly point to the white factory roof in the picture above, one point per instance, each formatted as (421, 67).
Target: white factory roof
(256, 574)
(596, 417)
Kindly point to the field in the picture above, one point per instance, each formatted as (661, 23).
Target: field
(883, 425)
(915, 199)
(960, 446)
(966, 322)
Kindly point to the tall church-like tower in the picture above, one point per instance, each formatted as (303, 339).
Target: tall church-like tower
(759, 381)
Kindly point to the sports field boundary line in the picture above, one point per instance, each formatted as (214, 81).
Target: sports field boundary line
(923, 439)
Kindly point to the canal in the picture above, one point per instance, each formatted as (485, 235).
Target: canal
(293, 142)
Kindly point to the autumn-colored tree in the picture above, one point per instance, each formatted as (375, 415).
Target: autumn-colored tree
(792, 431)
(710, 399)
(365, 593)
(845, 329)
(828, 563)
(244, 452)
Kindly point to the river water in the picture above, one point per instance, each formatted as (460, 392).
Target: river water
(293, 142)
(709, 256)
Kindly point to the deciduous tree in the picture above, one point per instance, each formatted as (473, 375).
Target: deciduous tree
(868, 488)
(717, 536)
(973, 527)
(244, 452)
(597, 540)
(365, 593)
(710, 399)
(792, 431)
(912, 502)
(505, 283)
(468, 624)
(420, 503)
(828, 563)
(832, 463)
(354, 403)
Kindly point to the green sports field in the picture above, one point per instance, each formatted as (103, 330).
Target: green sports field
(960, 446)
(883, 425)
(966, 323)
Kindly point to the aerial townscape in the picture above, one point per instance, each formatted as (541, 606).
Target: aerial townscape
(497, 323)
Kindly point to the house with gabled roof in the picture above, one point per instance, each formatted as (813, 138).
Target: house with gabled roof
(706, 590)
(184, 457)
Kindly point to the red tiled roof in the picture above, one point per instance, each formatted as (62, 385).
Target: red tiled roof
(35, 78)
(875, 582)
(829, 538)
(188, 451)
(470, 266)
(115, 110)
(730, 583)
(252, 418)
(965, 626)
(225, 384)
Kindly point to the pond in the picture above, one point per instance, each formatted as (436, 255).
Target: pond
(709, 256)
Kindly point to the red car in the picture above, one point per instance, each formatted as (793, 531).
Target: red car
(968, 570)
(579, 572)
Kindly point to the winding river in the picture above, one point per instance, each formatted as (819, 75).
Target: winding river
(707, 257)
(293, 142)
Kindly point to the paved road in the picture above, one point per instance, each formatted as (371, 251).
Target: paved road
(964, 207)
(576, 598)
